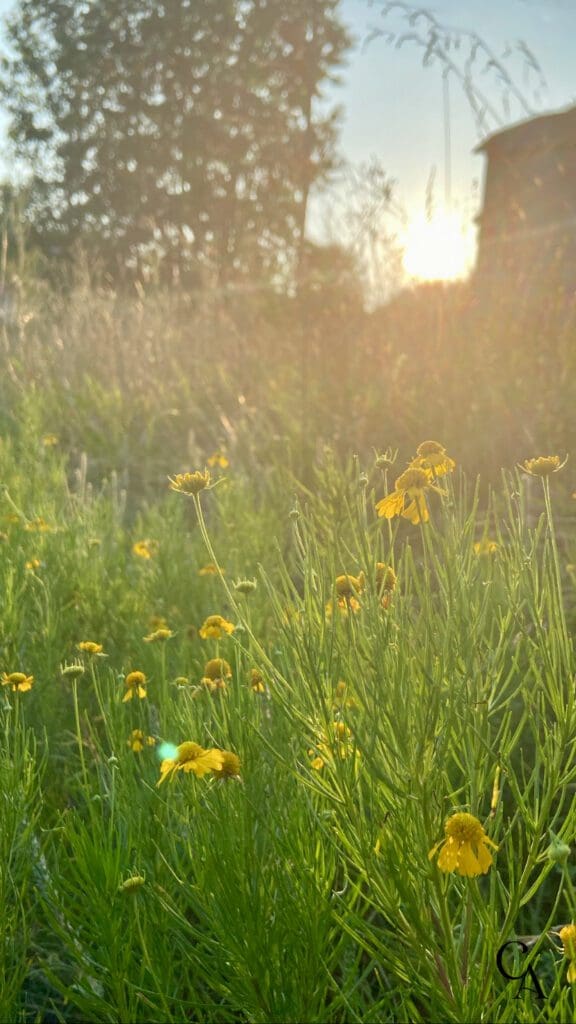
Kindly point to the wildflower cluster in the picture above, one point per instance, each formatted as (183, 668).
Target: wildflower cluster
(336, 744)
(408, 499)
(349, 589)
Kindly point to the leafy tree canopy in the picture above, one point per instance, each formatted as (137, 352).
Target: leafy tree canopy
(186, 133)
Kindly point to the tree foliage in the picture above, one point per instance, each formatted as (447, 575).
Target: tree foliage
(186, 133)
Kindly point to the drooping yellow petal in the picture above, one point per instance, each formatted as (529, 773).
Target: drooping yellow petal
(434, 850)
(208, 761)
(168, 765)
(468, 864)
(448, 859)
(484, 857)
(417, 511)
(391, 505)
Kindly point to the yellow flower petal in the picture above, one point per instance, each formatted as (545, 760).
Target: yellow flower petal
(417, 511)
(391, 505)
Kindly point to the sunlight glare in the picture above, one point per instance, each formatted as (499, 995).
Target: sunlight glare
(437, 249)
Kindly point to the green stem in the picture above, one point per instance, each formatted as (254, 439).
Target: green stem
(234, 604)
(79, 733)
(557, 571)
(467, 935)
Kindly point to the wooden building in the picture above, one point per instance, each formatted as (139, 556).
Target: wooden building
(527, 227)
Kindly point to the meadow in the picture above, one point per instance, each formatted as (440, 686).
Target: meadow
(267, 754)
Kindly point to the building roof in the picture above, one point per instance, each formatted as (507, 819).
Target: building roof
(533, 134)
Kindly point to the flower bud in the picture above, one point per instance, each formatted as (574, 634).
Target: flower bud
(558, 851)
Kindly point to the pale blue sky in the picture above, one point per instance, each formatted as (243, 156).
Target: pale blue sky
(393, 105)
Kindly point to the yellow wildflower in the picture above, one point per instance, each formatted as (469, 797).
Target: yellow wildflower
(341, 701)
(90, 647)
(38, 525)
(210, 570)
(138, 740)
(230, 767)
(385, 577)
(256, 681)
(412, 484)
(135, 683)
(218, 459)
(344, 604)
(217, 668)
(157, 622)
(432, 455)
(544, 465)
(191, 757)
(385, 580)
(49, 440)
(216, 672)
(215, 627)
(146, 549)
(337, 745)
(349, 586)
(465, 848)
(212, 685)
(190, 483)
(19, 681)
(33, 564)
(317, 763)
(568, 939)
(158, 636)
(485, 546)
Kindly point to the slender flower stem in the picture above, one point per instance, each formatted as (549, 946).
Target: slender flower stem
(557, 571)
(467, 935)
(79, 733)
(234, 603)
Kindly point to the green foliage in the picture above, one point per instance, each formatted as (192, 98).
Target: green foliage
(304, 890)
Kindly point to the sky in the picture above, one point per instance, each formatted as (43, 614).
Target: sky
(393, 107)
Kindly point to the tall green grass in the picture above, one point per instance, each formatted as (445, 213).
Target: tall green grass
(304, 889)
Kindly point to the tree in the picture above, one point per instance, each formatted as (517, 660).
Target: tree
(188, 132)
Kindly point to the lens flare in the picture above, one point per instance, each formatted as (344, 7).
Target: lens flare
(166, 751)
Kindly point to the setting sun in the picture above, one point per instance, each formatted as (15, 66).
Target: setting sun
(437, 249)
